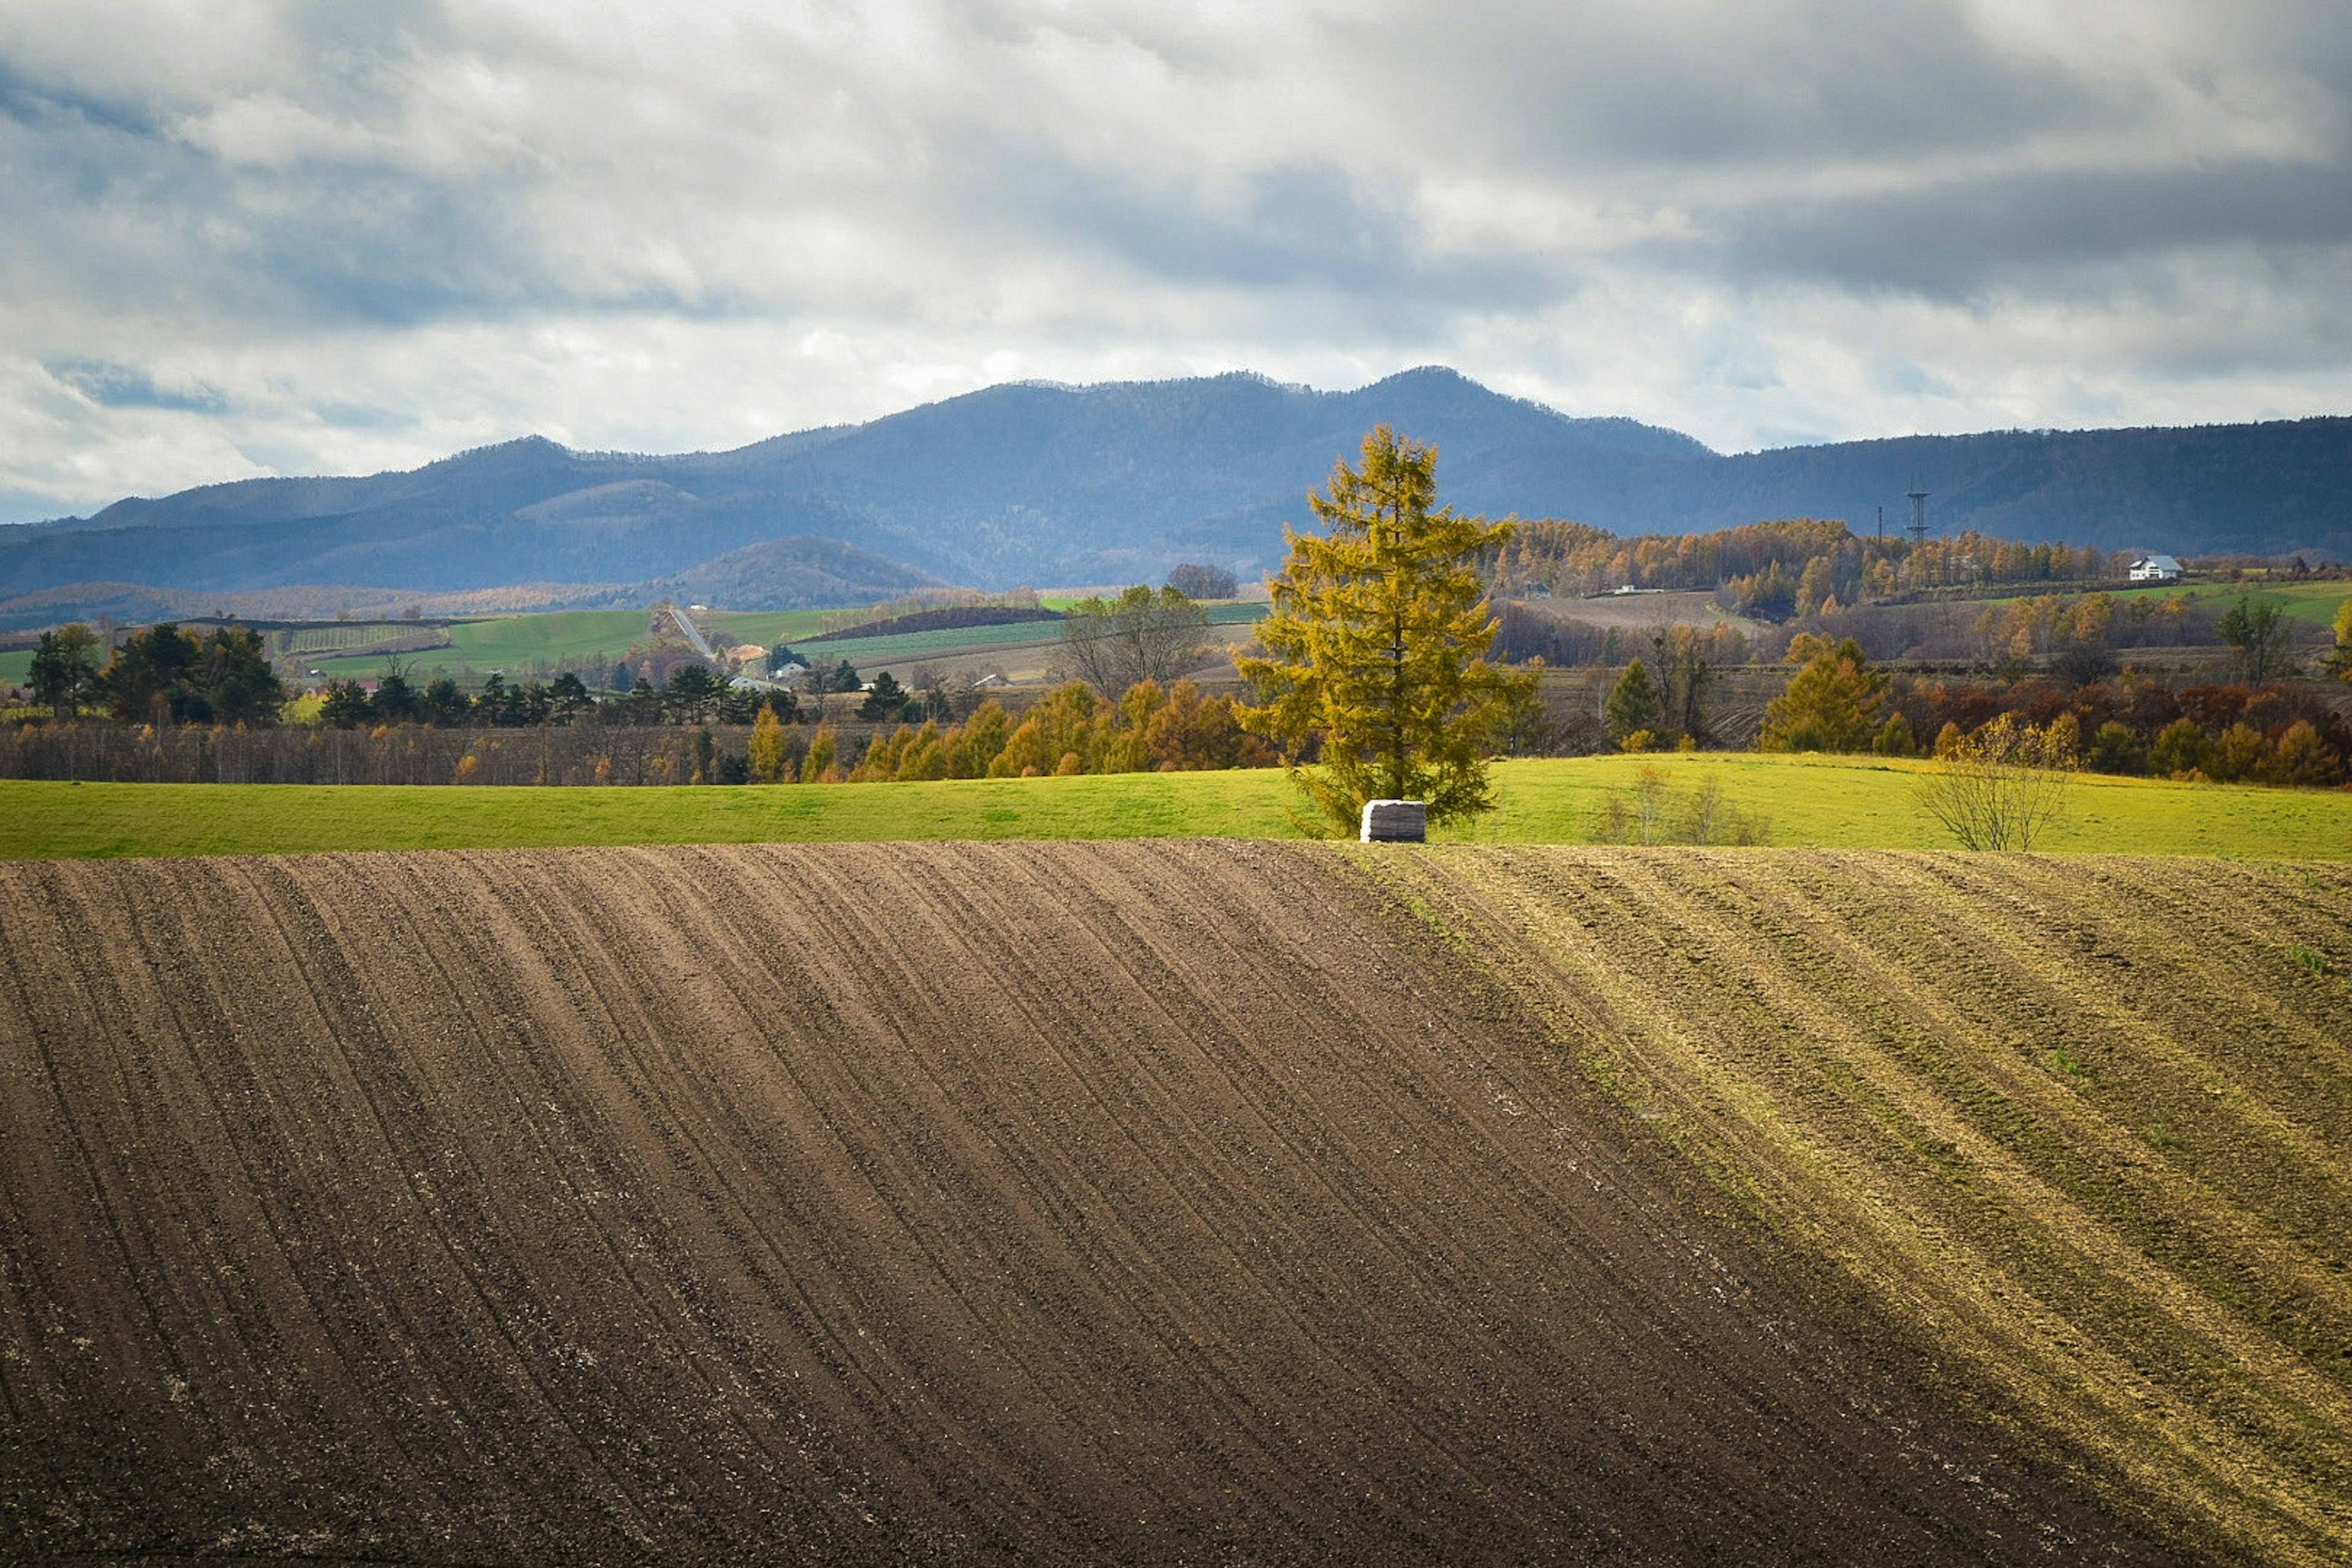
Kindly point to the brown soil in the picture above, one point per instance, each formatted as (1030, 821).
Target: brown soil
(1645, 611)
(1127, 1203)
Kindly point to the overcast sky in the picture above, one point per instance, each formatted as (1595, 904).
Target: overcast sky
(247, 238)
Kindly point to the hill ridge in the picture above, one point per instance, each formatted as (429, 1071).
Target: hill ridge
(1027, 484)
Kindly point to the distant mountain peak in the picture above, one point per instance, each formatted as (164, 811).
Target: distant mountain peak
(1428, 375)
(518, 444)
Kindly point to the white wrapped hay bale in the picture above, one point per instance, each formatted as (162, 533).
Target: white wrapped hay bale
(1396, 821)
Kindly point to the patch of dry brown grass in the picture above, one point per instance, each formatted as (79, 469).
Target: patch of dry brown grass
(2078, 1124)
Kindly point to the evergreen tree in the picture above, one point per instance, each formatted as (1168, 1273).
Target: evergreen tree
(65, 668)
(443, 702)
(397, 700)
(1633, 707)
(691, 693)
(345, 707)
(235, 679)
(1832, 705)
(164, 675)
(884, 703)
(766, 751)
(1376, 646)
(570, 695)
(147, 670)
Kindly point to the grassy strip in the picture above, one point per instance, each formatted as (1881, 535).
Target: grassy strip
(1866, 803)
(59, 821)
(1810, 801)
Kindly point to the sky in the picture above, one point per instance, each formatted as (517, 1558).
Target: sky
(242, 237)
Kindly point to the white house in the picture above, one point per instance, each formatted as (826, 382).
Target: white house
(2155, 569)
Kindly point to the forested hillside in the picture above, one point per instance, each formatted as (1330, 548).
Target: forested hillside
(1053, 485)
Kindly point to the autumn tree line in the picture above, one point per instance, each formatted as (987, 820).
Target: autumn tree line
(2253, 729)
(185, 707)
(1777, 570)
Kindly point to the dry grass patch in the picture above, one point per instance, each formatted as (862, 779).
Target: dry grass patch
(2077, 1123)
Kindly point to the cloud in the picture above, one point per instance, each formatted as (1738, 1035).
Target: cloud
(281, 234)
(126, 387)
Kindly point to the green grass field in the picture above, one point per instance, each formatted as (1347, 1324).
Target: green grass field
(575, 638)
(968, 640)
(1857, 803)
(2313, 602)
(766, 628)
(864, 652)
(510, 643)
(1809, 801)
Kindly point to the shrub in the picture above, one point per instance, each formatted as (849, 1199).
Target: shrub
(2115, 750)
(2180, 749)
(2302, 759)
(1653, 812)
(2236, 754)
(2000, 786)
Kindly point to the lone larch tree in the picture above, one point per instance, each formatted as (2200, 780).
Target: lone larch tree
(1375, 679)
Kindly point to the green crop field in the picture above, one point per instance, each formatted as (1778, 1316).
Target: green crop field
(766, 628)
(331, 638)
(510, 643)
(1808, 801)
(16, 667)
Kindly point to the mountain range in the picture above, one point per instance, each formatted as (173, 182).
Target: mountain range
(1049, 485)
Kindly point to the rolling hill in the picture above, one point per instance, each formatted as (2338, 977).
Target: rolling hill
(1042, 485)
(1195, 1201)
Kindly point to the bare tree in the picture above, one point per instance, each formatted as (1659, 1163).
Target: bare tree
(1113, 644)
(1198, 582)
(2000, 786)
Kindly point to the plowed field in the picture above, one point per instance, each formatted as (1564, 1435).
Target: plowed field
(1174, 1202)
